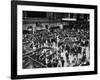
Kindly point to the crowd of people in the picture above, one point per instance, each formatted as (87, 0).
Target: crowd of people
(56, 48)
